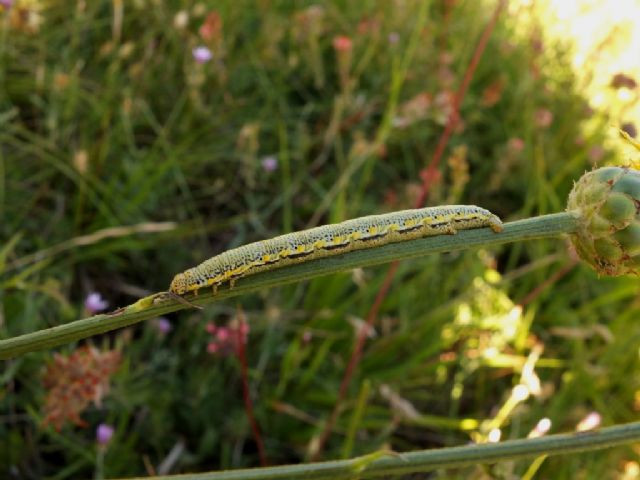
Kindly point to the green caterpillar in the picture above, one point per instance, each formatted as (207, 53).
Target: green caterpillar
(330, 240)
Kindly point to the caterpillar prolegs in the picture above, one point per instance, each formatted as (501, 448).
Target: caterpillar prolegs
(330, 240)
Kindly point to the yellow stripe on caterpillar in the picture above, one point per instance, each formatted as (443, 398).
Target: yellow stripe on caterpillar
(329, 240)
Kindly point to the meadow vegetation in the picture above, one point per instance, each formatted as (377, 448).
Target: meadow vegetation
(139, 138)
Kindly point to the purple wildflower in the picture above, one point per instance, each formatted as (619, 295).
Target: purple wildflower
(163, 325)
(104, 433)
(6, 3)
(269, 163)
(94, 303)
(202, 54)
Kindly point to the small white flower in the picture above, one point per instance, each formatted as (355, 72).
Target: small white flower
(181, 20)
(494, 435)
(589, 422)
(541, 428)
(520, 393)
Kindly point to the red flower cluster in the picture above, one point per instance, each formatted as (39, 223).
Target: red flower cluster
(211, 29)
(225, 340)
(342, 43)
(76, 380)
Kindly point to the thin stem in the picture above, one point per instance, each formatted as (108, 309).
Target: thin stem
(384, 128)
(380, 464)
(454, 117)
(246, 391)
(354, 360)
(532, 228)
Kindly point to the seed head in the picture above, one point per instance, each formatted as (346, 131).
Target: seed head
(607, 202)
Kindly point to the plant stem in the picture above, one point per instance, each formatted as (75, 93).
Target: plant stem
(532, 228)
(391, 464)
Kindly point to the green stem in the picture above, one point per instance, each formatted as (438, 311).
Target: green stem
(532, 228)
(380, 464)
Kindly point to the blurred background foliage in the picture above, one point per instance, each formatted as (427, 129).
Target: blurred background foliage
(139, 138)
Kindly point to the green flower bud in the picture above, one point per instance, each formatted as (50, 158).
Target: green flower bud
(607, 202)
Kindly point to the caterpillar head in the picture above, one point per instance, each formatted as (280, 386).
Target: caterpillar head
(180, 284)
(495, 223)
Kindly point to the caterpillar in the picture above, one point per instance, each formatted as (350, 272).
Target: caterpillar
(330, 240)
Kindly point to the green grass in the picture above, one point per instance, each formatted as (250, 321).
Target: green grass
(168, 140)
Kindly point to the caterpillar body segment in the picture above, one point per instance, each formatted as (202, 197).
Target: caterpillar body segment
(331, 240)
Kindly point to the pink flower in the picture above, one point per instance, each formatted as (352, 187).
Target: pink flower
(223, 334)
(202, 54)
(516, 144)
(394, 37)
(94, 303)
(104, 433)
(226, 340)
(6, 3)
(210, 328)
(543, 117)
(596, 153)
(244, 329)
(269, 163)
(342, 43)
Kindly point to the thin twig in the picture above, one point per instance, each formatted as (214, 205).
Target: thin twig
(533, 294)
(393, 465)
(546, 226)
(453, 119)
(90, 239)
(355, 359)
(246, 393)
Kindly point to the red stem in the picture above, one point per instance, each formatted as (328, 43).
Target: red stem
(355, 358)
(427, 178)
(245, 390)
(535, 293)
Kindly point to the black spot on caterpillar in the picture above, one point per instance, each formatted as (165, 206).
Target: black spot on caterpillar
(330, 240)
